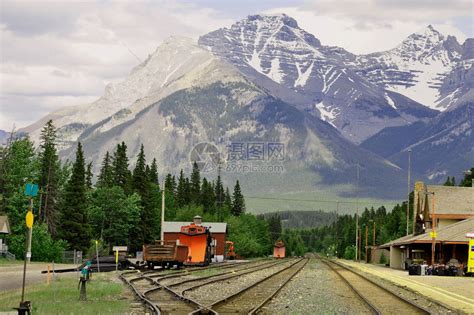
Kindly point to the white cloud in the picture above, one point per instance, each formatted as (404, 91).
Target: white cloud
(341, 28)
(54, 54)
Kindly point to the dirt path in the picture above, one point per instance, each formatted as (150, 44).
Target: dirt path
(11, 276)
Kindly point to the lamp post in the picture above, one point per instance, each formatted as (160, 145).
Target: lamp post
(163, 211)
(408, 197)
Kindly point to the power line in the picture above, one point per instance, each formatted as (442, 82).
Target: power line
(304, 200)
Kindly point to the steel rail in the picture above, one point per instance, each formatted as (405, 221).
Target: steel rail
(149, 304)
(370, 304)
(233, 274)
(180, 297)
(258, 307)
(210, 307)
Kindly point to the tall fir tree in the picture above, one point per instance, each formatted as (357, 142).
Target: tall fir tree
(181, 190)
(74, 227)
(106, 175)
(208, 197)
(122, 176)
(219, 192)
(187, 191)
(153, 172)
(238, 202)
(228, 199)
(141, 186)
(49, 177)
(195, 185)
(89, 176)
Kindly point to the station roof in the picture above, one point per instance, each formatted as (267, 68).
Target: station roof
(452, 200)
(4, 225)
(454, 233)
(175, 226)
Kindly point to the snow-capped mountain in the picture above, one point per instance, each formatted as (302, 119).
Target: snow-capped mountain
(264, 79)
(417, 67)
(441, 147)
(152, 79)
(273, 48)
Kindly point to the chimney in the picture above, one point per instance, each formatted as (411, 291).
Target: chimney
(197, 220)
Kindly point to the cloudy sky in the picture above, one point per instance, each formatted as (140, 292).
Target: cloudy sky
(62, 53)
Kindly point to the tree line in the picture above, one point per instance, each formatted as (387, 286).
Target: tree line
(338, 238)
(123, 206)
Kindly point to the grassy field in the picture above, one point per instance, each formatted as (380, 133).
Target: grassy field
(105, 295)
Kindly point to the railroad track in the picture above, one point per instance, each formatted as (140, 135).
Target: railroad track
(159, 299)
(162, 299)
(194, 283)
(377, 298)
(252, 298)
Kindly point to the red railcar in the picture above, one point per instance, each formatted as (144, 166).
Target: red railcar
(279, 249)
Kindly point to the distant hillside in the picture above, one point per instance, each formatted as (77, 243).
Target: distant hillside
(303, 219)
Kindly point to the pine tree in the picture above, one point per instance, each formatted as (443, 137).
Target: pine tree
(106, 175)
(141, 185)
(89, 176)
(49, 177)
(74, 227)
(219, 192)
(153, 172)
(187, 191)
(228, 199)
(181, 190)
(195, 185)
(208, 197)
(122, 176)
(238, 203)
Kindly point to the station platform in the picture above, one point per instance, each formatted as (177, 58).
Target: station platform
(454, 292)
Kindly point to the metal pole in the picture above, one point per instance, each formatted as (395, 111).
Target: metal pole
(28, 235)
(163, 211)
(30, 231)
(408, 196)
(433, 230)
(357, 218)
(97, 255)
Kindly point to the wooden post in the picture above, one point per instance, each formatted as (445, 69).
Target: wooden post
(366, 243)
(373, 236)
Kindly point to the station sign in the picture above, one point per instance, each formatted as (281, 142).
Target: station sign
(120, 248)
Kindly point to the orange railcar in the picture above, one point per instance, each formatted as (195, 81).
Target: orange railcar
(279, 249)
(198, 240)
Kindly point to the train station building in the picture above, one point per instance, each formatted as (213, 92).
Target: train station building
(450, 210)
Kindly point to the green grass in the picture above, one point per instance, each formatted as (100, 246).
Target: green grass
(6, 262)
(105, 295)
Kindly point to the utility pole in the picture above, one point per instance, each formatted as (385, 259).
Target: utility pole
(163, 211)
(357, 217)
(408, 200)
(373, 236)
(433, 231)
(337, 216)
(366, 242)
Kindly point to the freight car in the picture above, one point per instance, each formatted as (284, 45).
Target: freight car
(165, 254)
(279, 249)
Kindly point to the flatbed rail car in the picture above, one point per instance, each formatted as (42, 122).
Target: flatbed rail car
(279, 249)
(165, 254)
(199, 242)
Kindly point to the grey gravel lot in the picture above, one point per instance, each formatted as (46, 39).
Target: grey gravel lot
(315, 290)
